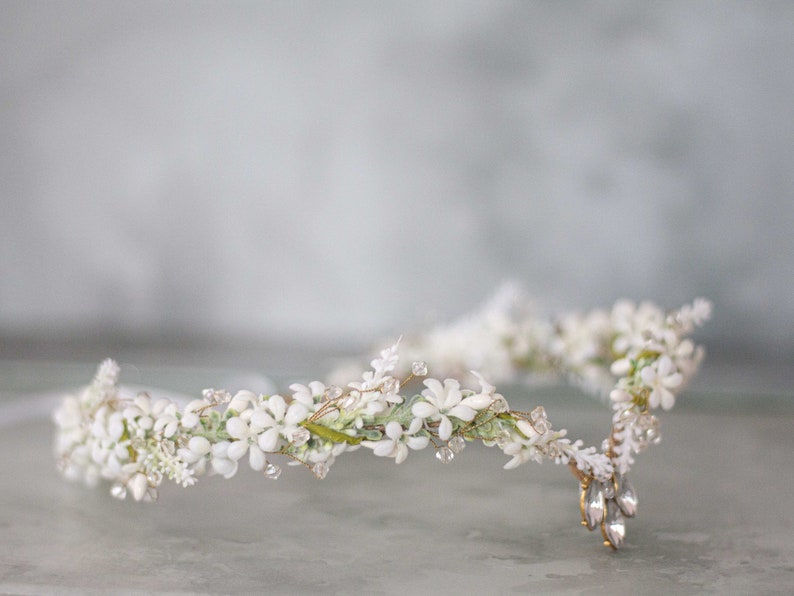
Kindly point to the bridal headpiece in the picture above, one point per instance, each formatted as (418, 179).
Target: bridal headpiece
(416, 395)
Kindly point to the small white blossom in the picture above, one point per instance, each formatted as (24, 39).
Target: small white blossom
(442, 401)
(661, 377)
(397, 440)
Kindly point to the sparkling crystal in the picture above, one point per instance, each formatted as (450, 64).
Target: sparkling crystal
(333, 392)
(419, 368)
(320, 469)
(445, 455)
(608, 489)
(155, 477)
(390, 385)
(653, 436)
(168, 447)
(614, 525)
(300, 437)
(152, 495)
(208, 394)
(539, 421)
(457, 444)
(350, 401)
(502, 439)
(118, 491)
(272, 471)
(499, 405)
(625, 495)
(592, 501)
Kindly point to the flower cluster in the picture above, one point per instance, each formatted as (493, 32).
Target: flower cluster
(135, 441)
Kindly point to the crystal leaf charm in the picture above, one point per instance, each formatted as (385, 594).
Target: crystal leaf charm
(625, 496)
(592, 504)
(614, 525)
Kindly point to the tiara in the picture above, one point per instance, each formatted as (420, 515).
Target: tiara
(636, 356)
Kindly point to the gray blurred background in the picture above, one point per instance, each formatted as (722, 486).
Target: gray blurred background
(324, 173)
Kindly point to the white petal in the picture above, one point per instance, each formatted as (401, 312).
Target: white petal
(256, 458)
(278, 406)
(462, 412)
(262, 419)
(648, 376)
(453, 394)
(423, 409)
(477, 402)
(665, 366)
(188, 455)
(416, 424)
(219, 449)
(241, 400)
(668, 399)
(434, 391)
(417, 442)
(384, 448)
(673, 380)
(236, 428)
(237, 450)
(296, 413)
(445, 428)
(190, 420)
(401, 453)
(394, 430)
(225, 467)
(138, 485)
(268, 440)
(199, 445)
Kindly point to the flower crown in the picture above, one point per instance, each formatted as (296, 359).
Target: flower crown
(637, 354)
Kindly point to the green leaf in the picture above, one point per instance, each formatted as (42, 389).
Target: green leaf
(330, 434)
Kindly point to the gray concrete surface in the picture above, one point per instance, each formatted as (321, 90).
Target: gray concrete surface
(715, 516)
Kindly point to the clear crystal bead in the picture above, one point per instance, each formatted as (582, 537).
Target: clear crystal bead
(614, 525)
(502, 439)
(390, 385)
(445, 455)
(152, 495)
(608, 489)
(499, 405)
(350, 401)
(208, 394)
(592, 504)
(625, 496)
(457, 444)
(300, 437)
(539, 421)
(155, 477)
(419, 368)
(653, 436)
(320, 469)
(333, 392)
(118, 491)
(272, 471)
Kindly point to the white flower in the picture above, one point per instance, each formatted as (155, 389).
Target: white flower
(308, 395)
(398, 440)
(278, 420)
(221, 462)
(442, 401)
(661, 376)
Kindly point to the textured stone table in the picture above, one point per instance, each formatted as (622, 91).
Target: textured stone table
(715, 514)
